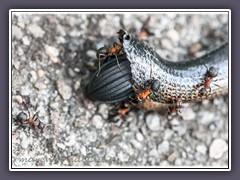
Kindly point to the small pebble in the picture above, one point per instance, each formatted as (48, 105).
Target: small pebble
(40, 86)
(111, 152)
(178, 162)
(201, 148)
(36, 30)
(167, 134)
(54, 105)
(217, 148)
(61, 146)
(166, 43)
(91, 53)
(122, 156)
(71, 140)
(17, 32)
(206, 117)
(64, 89)
(26, 41)
(175, 122)
(76, 69)
(173, 35)
(71, 72)
(163, 148)
(60, 29)
(172, 157)
(195, 48)
(77, 85)
(16, 65)
(18, 99)
(139, 136)
(97, 121)
(153, 153)
(24, 140)
(83, 151)
(33, 76)
(53, 53)
(188, 114)
(136, 144)
(40, 73)
(153, 121)
(103, 110)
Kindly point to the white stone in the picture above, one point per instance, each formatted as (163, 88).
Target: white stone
(83, 151)
(217, 148)
(163, 147)
(122, 156)
(36, 30)
(153, 121)
(188, 114)
(64, 90)
(40, 73)
(61, 146)
(201, 148)
(97, 121)
(26, 41)
(173, 35)
(17, 32)
(52, 52)
(139, 136)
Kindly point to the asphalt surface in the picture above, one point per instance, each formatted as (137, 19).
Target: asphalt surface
(53, 58)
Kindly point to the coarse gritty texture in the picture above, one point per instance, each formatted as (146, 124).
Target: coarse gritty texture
(53, 57)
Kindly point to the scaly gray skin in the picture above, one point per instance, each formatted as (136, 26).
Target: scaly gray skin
(181, 81)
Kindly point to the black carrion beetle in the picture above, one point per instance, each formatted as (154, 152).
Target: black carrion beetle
(113, 83)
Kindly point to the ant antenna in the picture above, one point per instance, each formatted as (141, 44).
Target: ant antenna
(118, 63)
(99, 65)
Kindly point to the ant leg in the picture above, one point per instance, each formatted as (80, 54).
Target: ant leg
(29, 115)
(175, 108)
(35, 117)
(206, 67)
(118, 62)
(118, 50)
(99, 66)
(101, 52)
(217, 85)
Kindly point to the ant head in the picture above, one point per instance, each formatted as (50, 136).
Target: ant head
(123, 35)
(155, 85)
(22, 117)
(103, 51)
(212, 72)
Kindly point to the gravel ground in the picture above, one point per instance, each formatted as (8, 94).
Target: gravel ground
(53, 57)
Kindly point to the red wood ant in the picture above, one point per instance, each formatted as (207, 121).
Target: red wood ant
(210, 74)
(30, 121)
(105, 52)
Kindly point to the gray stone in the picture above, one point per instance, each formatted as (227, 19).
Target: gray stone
(97, 121)
(52, 52)
(17, 32)
(153, 121)
(64, 89)
(36, 30)
(163, 148)
(201, 148)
